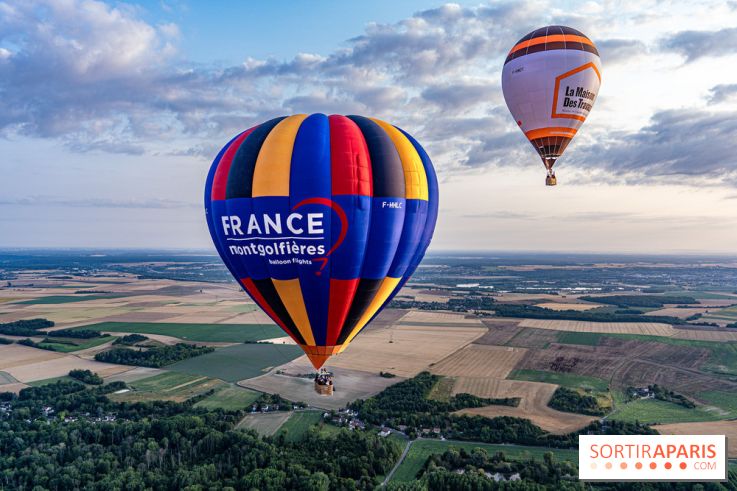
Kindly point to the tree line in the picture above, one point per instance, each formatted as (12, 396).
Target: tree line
(154, 357)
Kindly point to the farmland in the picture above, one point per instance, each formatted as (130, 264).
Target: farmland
(238, 362)
(299, 423)
(484, 355)
(230, 333)
(230, 398)
(265, 424)
(168, 386)
(422, 449)
(563, 379)
(655, 411)
(534, 397)
(480, 361)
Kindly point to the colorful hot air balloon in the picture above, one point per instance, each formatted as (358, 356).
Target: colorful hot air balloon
(550, 80)
(322, 219)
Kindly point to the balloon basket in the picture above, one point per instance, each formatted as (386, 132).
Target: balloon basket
(551, 181)
(324, 383)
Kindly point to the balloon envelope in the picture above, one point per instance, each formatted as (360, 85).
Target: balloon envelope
(550, 81)
(322, 219)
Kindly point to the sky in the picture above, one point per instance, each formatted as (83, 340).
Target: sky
(111, 113)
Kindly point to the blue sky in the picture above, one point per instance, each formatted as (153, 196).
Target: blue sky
(229, 31)
(110, 113)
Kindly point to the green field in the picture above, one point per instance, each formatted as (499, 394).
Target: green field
(703, 295)
(57, 299)
(6, 378)
(655, 411)
(422, 449)
(585, 338)
(264, 424)
(170, 386)
(442, 390)
(298, 423)
(78, 344)
(723, 400)
(238, 362)
(225, 333)
(570, 380)
(47, 381)
(230, 398)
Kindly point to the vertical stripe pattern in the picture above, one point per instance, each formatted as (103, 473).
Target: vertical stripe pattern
(322, 220)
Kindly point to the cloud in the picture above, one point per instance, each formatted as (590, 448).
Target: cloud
(721, 93)
(614, 51)
(45, 201)
(98, 77)
(684, 145)
(699, 44)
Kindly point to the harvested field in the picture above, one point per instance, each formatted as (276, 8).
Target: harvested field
(14, 388)
(265, 424)
(6, 378)
(645, 328)
(705, 335)
(580, 307)
(534, 397)
(680, 313)
(404, 350)
(58, 367)
(728, 428)
(433, 317)
(349, 384)
(16, 355)
(478, 360)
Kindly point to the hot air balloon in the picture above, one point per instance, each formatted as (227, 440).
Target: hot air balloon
(322, 219)
(550, 81)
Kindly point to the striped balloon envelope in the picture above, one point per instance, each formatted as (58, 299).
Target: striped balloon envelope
(550, 81)
(322, 219)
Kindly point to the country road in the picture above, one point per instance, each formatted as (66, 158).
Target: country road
(399, 462)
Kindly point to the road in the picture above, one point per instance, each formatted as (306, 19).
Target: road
(399, 462)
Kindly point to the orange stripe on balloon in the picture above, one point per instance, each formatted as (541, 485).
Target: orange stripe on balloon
(565, 38)
(552, 131)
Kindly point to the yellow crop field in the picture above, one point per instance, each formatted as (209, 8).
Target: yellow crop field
(534, 397)
(478, 360)
(728, 428)
(404, 350)
(645, 328)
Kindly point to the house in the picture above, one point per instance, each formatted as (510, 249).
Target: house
(385, 432)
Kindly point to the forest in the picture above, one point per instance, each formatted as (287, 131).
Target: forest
(155, 357)
(90, 442)
(571, 401)
(28, 327)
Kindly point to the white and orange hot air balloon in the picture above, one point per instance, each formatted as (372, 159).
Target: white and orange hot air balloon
(550, 80)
